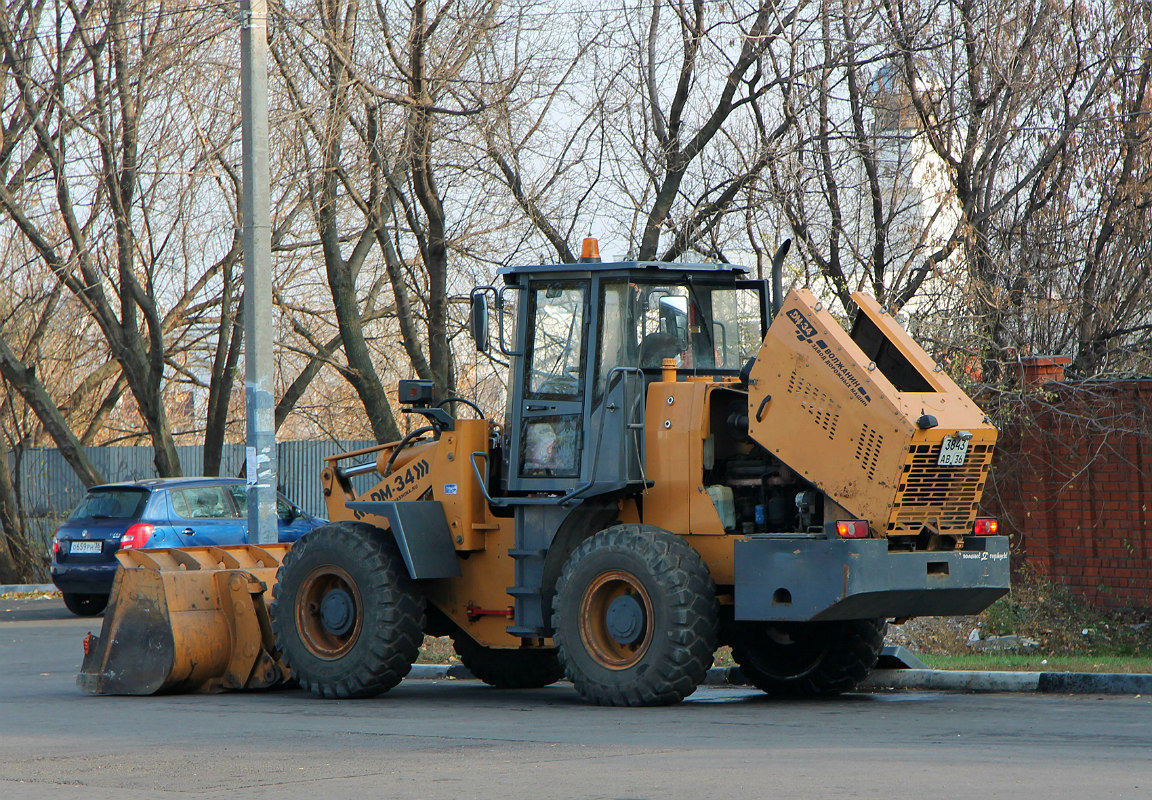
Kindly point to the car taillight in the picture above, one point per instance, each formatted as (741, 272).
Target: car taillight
(986, 526)
(136, 536)
(55, 546)
(852, 529)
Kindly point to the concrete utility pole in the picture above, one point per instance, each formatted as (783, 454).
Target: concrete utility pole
(259, 398)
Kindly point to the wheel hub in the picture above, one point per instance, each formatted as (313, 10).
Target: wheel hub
(329, 612)
(616, 622)
(337, 612)
(625, 620)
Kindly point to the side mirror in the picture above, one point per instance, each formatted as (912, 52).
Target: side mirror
(478, 320)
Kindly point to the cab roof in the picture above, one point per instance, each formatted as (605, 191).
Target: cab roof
(635, 268)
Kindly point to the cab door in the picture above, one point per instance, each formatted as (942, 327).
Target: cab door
(547, 434)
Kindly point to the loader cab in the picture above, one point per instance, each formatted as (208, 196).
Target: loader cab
(585, 341)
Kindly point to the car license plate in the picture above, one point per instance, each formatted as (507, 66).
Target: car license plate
(953, 451)
(86, 547)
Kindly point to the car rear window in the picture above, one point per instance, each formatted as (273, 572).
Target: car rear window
(111, 504)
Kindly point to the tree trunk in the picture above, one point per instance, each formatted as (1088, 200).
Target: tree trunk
(13, 547)
(24, 380)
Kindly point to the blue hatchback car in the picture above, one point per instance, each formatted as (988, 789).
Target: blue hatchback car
(163, 512)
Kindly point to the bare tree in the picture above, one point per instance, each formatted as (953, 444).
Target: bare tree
(105, 206)
(1087, 251)
(858, 190)
(696, 120)
(382, 100)
(16, 560)
(1001, 90)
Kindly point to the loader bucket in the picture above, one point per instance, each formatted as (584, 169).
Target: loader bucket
(186, 620)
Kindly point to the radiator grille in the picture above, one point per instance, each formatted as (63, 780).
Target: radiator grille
(941, 498)
(822, 408)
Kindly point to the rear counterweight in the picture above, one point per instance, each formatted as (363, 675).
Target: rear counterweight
(800, 578)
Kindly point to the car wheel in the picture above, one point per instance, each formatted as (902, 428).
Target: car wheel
(85, 605)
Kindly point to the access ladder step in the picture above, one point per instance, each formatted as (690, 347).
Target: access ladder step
(527, 633)
(523, 591)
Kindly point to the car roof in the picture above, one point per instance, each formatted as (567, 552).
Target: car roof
(152, 484)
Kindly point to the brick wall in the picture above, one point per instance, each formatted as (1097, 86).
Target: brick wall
(1072, 483)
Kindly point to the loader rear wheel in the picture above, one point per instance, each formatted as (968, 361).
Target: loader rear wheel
(85, 605)
(635, 617)
(808, 659)
(508, 669)
(347, 620)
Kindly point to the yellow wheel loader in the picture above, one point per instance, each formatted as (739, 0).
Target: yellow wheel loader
(680, 466)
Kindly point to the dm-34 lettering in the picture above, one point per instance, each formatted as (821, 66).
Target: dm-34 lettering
(399, 485)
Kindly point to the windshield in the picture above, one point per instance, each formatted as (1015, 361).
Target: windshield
(707, 329)
(111, 504)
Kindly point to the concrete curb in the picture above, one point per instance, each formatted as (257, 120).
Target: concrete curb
(981, 682)
(1042, 682)
(919, 679)
(27, 588)
(952, 680)
(1093, 683)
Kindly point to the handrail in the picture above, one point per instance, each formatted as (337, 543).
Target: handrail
(552, 500)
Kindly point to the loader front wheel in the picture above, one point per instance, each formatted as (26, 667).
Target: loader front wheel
(347, 620)
(635, 617)
(808, 659)
(508, 669)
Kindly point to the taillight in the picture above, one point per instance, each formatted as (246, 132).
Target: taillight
(852, 529)
(986, 526)
(55, 546)
(137, 536)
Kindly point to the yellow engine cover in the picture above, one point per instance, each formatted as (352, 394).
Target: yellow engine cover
(823, 407)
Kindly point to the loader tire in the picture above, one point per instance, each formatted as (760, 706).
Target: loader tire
(635, 617)
(508, 669)
(808, 659)
(347, 620)
(85, 605)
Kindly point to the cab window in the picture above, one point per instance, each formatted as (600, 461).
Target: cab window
(702, 327)
(557, 341)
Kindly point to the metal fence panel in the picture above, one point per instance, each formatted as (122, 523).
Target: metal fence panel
(49, 489)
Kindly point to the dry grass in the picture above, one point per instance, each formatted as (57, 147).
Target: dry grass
(437, 650)
(1040, 611)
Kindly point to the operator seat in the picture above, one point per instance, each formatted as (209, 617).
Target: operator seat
(656, 347)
